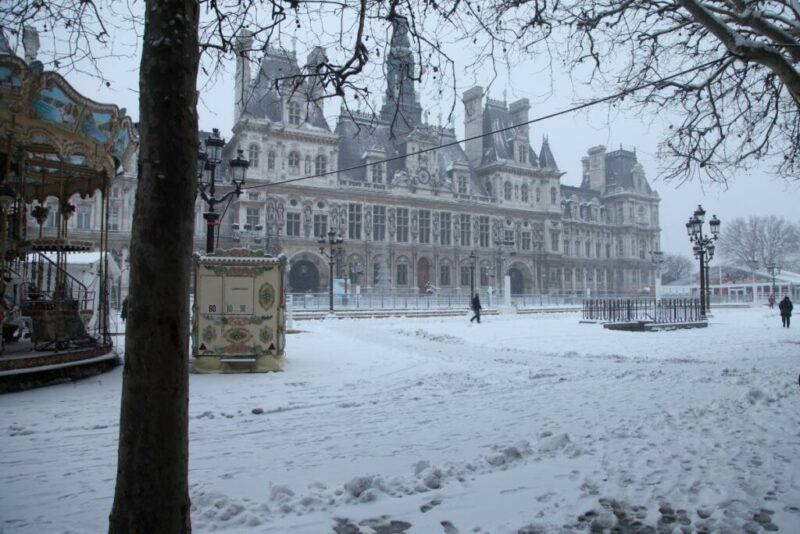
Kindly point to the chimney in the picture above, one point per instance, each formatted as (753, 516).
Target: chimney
(473, 124)
(242, 82)
(595, 168)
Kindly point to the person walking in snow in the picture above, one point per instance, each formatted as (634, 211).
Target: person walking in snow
(123, 314)
(785, 307)
(476, 308)
(771, 301)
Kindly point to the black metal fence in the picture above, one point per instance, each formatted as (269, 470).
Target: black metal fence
(639, 309)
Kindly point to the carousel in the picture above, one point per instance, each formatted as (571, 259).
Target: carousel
(54, 144)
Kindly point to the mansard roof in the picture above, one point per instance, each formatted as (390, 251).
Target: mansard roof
(620, 166)
(584, 195)
(264, 97)
(361, 133)
(498, 144)
(546, 159)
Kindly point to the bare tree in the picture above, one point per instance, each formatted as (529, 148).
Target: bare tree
(675, 267)
(764, 240)
(726, 70)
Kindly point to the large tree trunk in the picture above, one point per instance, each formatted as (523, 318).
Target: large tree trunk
(152, 492)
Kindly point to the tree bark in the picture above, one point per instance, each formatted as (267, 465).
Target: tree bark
(152, 471)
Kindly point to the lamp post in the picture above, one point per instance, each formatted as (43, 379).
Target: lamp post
(773, 269)
(207, 161)
(333, 239)
(703, 245)
(657, 259)
(473, 260)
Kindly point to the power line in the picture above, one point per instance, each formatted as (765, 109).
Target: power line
(578, 107)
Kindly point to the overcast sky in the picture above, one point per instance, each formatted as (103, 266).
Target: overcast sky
(570, 136)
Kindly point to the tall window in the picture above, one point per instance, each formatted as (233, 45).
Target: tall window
(294, 162)
(507, 191)
(320, 226)
(483, 230)
(538, 194)
(466, 225)
(402, 274)
(489, 189)
(597, 249)
(566, 247)
(554, 240)
(402, 225)
(524, 192)
(462, 184)
(526, 240)
(424, 227)
(293, 224)
(484, 276)
(378, 223)
(113, 220)
(577, 248)
(271, 160)
(444, 275)
(444, 228)
(354, 221)
(253, 217)
(376, 273)
(252, 152)
(377, 173)
(294, 113)
(83, 217)
(553, 196)
(321, 166)
(523, 154)
(465, 275)
(608, 250)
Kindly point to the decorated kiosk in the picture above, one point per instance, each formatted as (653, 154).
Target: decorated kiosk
(54, 144)
(239, 311)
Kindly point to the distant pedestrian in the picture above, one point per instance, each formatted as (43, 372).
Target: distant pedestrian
(771, 300)
(785, 307)
(123, 314)
(476, 308)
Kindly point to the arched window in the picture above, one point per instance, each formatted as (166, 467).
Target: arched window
(271, 160)
(252, 153)
(294, 113)
(294, 162)
(507, 191)
(321, 164)
(524, 192)
(553, 195)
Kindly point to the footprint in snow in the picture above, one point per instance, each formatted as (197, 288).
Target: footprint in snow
(449, 528)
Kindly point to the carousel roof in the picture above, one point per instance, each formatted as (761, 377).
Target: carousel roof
(59, 142)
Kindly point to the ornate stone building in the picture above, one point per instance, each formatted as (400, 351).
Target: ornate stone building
(411, 203)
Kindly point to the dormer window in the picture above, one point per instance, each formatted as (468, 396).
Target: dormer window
(294, 113)
(321, 164)
(523, 157)
(462, 185)
(377, 173)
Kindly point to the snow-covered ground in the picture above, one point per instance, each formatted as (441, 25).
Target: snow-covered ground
(520, 424)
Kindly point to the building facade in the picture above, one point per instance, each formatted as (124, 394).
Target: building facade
(413, 205)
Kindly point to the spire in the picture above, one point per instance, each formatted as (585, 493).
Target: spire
(546, 159)
(400, 106)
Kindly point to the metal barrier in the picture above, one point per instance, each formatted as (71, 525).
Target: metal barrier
(660, 311)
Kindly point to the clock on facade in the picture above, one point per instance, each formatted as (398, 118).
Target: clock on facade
(423, 177)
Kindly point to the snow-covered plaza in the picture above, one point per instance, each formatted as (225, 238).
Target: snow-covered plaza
(524, 423)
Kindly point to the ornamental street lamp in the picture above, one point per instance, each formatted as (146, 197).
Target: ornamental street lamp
(657, 259)
(473, 260)
(333, 239)
(207, 161)
(703, 246)
(773, 269)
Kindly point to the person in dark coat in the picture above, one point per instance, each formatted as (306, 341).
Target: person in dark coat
(123, 314)
(785, 307)
(476, 308)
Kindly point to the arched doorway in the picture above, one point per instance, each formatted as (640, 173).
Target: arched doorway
(303, 277)
(423, 274)
(517, 281)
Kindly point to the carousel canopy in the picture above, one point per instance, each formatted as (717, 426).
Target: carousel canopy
(54, 141)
